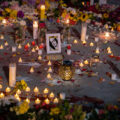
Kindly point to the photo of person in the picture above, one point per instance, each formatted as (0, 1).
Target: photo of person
(53, 43)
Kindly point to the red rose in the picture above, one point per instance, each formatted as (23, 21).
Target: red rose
(68, 47)
(42, 25)
(41, 46)
(26, 46)
(58, 20)
(33, 43)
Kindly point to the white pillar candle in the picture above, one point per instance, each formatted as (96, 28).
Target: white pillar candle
(69, 52)
(40, 52)
(12, 74)
(83, 31)
(113, 76)
(62, 96)
(35, 30)
(13, 48)
(91, 2)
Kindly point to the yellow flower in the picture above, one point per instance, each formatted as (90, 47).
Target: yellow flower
(1, 18)
(105, 15)
(8, 10)
(84, 17)
(55, 111)
(47, 4)
(13, 14)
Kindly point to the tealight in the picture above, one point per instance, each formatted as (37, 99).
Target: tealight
(108, 49)
(47, 101)
(91, 44)
(6, 43)
(107, 34)
(1, 47)
(33, 49)
(75, 41)
(18, 98)
(28, 44)
(51, 96)
(39, 57)
(49, 63)
(67, 21)
(86, 62)
(27, 89)
(55, 100)
(4, 21)
(36, 90)
(20, 60)
(2, 95)
(7, 90)
(49, 76)
(81, 64)
(37, 48)
(83, 42)
(50, 70)
(19, 46)
(32, 70)
(18, 92)
(97, 51)
(1, 37)
(46, 91)
(27, 100)
(37, 101)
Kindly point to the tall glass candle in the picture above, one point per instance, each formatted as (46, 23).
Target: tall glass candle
(83, 31)
(42, 13)
(35, 30)
(12, 74)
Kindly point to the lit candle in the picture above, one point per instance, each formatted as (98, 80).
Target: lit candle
(47, 101)
(4, 21)
(7, 90)
(81, 64)
(91, 44)
(50, 70)
(75, 41)
(27, 89)
(84, 42)
(20, 60)
(27, 100)
(32, 70)
(6, 43)
(37, 48)
(62, 96)
(2, 95)
(46, 91)
(17, 97)
(42, 14)
(86, 62)
(97, 51)
(1, 47)
(37, 101)
(1, 37)
(107, 34)
(12, 74)
(18, 92)
(39, 57)
(49, 76)
(35, 30)
(36, 90)
(83, 31)
(49, 63)
(33, 49)
(28, 44)
(55, 100)
(19, 46)
(51, 96)
(13, 48)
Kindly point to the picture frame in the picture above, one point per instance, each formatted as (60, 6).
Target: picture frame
(53, 43)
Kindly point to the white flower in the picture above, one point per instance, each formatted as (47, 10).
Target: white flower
(23, 23)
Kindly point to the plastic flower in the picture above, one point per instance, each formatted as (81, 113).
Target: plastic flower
(84, 17)
(13, 14)
(8, 10)
(54, 111)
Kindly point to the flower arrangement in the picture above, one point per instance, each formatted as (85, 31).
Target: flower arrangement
(21, 85)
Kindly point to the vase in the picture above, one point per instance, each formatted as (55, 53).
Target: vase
(66, 71)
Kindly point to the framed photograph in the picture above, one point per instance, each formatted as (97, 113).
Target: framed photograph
(53, 43)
